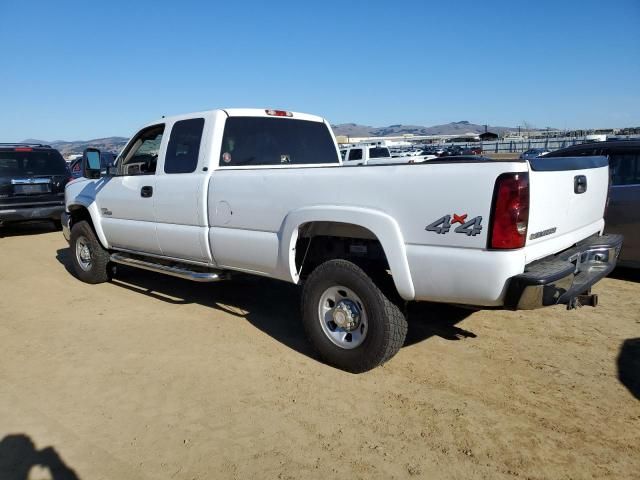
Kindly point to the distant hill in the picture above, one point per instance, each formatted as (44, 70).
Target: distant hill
(108, 144)
(453, 128)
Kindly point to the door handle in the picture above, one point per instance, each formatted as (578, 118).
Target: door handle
(146, 191)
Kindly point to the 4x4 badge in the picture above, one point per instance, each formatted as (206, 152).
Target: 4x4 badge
(442, 225)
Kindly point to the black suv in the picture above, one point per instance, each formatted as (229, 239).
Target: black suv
(623, 213)
(32, 181)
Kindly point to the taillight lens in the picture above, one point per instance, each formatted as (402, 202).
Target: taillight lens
(510, 211)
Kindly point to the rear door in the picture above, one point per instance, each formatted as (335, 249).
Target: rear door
(180, 196)
(567, 201)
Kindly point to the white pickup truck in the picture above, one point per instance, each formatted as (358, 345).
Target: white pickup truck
(376, 155)
(203, 195)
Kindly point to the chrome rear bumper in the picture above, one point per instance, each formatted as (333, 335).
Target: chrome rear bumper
(564, 278)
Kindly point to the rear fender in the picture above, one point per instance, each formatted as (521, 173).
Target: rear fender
(384, 227)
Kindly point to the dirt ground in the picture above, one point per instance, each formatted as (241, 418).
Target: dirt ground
(150, 377)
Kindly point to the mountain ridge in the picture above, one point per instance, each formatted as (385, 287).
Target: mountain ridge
(452, 128)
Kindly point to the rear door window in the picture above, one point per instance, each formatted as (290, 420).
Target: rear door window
(355, 154)
(257, 141)
(625, 168)
(184, 146)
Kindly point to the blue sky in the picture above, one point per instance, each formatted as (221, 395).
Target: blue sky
(81, 70)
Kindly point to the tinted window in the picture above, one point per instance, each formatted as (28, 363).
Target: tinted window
(141, 157)
(355, 154)
(35, 162)
(578, 152)
(184, 146)
(378, 152)
(276, 141)
(625, 168)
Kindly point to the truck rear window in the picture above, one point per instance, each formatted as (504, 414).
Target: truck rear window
(35, 162)
(250, 141)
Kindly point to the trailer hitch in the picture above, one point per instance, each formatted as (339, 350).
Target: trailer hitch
(586, 299)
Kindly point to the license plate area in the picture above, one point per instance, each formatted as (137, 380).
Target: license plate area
(28, 189)
(31, 186)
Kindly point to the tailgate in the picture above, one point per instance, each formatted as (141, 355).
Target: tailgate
(567, 201)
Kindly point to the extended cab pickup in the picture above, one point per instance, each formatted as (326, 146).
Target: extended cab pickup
(376, 155)
(203, 195)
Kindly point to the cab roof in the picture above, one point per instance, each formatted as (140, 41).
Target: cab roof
(240, 112)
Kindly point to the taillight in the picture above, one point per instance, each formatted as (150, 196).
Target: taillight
(23, 149)
(510, 213)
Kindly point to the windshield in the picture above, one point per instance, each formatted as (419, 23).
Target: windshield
(34, 162)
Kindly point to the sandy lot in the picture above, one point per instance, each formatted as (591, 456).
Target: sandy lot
(152, 377)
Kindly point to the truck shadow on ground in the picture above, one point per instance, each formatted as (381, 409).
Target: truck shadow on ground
(629, 365)
(18, 456)
(28, 228)
(273, 306)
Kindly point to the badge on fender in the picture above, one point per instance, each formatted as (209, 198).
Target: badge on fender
(470, 227)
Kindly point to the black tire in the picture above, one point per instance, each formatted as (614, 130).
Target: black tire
(98, 269)
(386, 324)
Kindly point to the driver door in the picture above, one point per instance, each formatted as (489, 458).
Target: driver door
(125, 200)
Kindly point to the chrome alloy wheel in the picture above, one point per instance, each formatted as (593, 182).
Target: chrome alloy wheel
(83, 253)
(342, 317)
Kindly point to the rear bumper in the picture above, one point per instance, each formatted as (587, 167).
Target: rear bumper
(561, 278)
(22, 214)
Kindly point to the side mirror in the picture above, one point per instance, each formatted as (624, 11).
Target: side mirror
(91, 163)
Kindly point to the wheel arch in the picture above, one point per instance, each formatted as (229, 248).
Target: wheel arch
(382, 226)
(80, 210)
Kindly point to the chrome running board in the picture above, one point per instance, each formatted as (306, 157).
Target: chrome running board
(181, 271)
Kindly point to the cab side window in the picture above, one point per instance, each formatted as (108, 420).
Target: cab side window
(141, 157)
(625, 168)
(184, 146)
(355, 154)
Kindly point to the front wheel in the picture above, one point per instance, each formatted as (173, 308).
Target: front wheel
(348, 319)
(89, 258)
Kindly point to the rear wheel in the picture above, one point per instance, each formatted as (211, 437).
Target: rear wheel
(352, 324)
(90, 260)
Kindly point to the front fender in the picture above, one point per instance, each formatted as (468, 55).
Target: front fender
(383, 226)
(82, 195)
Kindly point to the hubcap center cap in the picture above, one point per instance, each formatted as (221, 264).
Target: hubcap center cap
(346, 315)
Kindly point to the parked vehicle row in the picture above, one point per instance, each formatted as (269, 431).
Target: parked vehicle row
(376, 155)
(204, 195)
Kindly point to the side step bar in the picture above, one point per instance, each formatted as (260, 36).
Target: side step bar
(180, 272)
